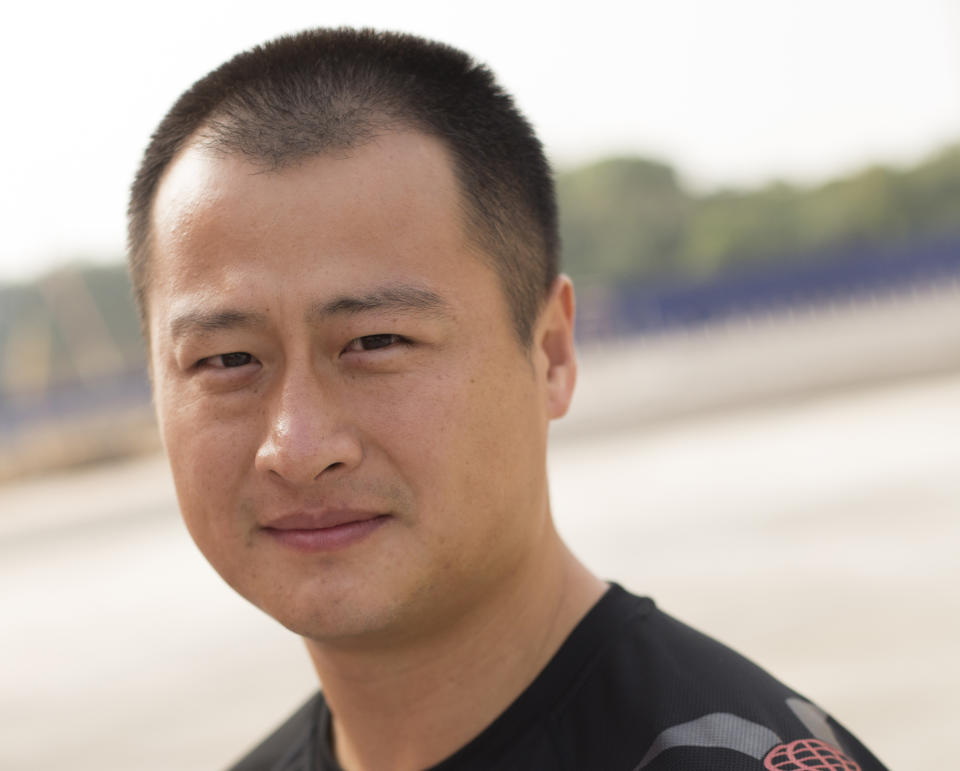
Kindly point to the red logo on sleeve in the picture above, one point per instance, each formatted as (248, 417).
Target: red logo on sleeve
(807, 755)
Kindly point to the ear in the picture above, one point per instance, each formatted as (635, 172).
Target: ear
(553, 346)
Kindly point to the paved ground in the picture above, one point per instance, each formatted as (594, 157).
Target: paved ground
(819, 535)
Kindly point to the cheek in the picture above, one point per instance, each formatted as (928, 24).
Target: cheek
(213, 454)
(465, 440)
(209, 453)
(407, 420)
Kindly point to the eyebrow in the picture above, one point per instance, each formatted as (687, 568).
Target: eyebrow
(202, 322)
(398, 297)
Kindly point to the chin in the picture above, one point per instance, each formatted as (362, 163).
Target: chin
(325, 612)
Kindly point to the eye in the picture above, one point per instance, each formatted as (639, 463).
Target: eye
(373, 342)
(227, 360)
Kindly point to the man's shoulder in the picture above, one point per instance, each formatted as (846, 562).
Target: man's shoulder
(661, 695)
(672, 662)
(291, 746)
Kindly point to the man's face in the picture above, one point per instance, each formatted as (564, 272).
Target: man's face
(356, 435)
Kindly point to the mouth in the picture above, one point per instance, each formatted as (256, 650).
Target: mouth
(325, 532)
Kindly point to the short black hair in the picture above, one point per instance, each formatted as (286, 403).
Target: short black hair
(330, 89)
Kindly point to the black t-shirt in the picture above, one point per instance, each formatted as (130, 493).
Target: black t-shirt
(631, 689)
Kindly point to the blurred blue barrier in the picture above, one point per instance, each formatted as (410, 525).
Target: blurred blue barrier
(69, 401)
(841, 273)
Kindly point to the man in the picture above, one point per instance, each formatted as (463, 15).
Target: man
(344, 247)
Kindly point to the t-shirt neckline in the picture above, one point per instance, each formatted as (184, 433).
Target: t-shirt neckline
(550, 687)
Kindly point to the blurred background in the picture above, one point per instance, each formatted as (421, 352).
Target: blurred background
(760, 206)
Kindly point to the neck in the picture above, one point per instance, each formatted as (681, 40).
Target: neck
(410, 705)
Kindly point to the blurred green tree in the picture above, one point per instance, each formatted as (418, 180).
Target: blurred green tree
(621, 217)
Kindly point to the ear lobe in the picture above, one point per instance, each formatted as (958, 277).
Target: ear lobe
(555, 343)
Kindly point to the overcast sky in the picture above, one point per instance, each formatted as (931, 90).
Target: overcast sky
(732, 93)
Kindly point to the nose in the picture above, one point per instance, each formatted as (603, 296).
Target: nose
(306, 434)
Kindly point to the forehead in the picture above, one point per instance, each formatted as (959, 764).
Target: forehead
(398, 174)
(389, 210)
